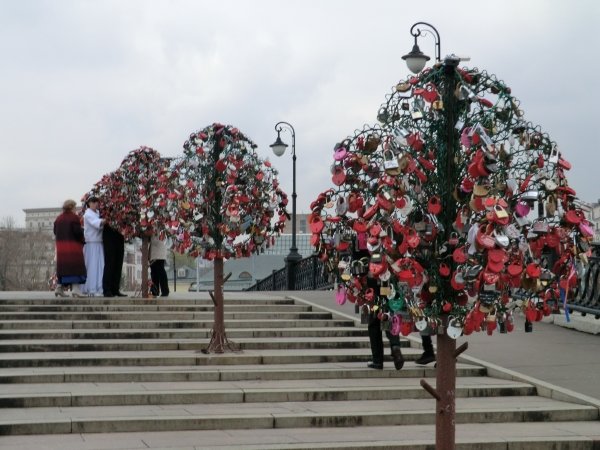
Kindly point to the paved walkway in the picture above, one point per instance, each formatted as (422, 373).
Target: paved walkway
(554, 354)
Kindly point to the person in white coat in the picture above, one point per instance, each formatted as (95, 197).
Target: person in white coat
(158, 257)
(93, 252)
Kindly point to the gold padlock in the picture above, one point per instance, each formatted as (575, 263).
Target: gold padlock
(438, 105)
(385, 290)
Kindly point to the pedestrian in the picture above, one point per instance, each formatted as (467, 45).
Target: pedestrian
(92, 250)
(70, 264)
(158, 257)
(376, 341)
(113, 244)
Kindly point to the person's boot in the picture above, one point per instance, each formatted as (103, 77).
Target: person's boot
(397, 357)
(76, 291)
(60, 291)
(428, 355)
(374, 365)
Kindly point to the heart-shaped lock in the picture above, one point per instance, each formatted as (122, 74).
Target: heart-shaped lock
(421, 324)
(454, 329)
(434, 205)
(339, 175)
(340, 153)
(444, 270)
(430, 93)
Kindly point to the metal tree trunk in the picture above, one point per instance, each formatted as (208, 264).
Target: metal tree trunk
(218, 341)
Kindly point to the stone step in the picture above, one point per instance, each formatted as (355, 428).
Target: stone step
(472, 436)
(165, 315)
(144, 301)
(139, 374)
(113, 345)
(224, 416)
(191, 357)
(179, 333)
(75, 307)
(184, 323)
(167, 393)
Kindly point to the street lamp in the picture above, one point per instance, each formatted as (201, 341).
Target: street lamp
(416, 59)
(279, 148)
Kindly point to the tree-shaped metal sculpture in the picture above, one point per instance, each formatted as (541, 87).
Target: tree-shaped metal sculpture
(134, 201)
(225, 203)
(451, 214)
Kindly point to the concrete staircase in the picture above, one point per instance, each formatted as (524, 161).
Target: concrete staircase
(131, 370)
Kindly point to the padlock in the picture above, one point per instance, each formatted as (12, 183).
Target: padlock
(418, 108)
(502, 326)
(400, 135)
(438, 105)
(500, 212)
(384, 289)
(390, 163)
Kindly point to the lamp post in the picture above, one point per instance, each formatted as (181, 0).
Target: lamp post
(279, 147)
(444, 392)
(416, 59)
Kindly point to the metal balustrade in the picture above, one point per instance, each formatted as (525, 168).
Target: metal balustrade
(310, 275)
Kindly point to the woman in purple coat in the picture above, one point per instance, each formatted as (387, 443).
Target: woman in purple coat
(70, 265)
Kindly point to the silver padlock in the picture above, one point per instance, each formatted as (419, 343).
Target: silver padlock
(390, 161)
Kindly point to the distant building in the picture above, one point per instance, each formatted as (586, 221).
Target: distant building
(284, 242)
(301, 224)
(41, 219)
(593, 215)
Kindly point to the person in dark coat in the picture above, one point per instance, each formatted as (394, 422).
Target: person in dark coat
(114, 251)
(158, 257)
(70, 265)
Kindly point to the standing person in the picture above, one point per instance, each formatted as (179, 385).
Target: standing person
(70, 265)
(157, 257)
(92, 250)
(376, 341)
(113, 244)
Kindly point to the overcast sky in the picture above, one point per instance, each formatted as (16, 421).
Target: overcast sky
(83, 82)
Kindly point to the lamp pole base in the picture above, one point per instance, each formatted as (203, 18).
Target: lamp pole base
(291, 263)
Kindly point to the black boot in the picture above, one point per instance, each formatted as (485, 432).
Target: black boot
(397, 357)
(428, 355)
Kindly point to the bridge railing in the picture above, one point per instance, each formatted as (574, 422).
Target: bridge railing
(587, 298)
(309, 275)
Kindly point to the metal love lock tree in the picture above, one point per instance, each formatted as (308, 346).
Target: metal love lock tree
(450, 215)
(133, 201)
(224, 202)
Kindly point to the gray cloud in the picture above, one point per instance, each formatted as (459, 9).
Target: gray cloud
(84, 82)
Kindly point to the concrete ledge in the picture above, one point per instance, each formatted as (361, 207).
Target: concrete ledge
(586, 324)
